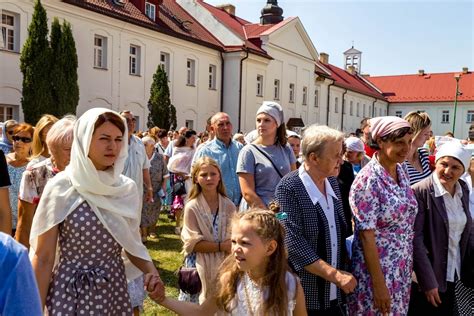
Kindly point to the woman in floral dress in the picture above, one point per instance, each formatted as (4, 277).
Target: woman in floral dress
(384, 209)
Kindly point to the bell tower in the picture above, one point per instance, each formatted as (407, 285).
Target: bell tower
(352, 57)
(271, 13)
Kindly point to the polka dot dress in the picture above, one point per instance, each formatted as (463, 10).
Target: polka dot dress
(90, 276)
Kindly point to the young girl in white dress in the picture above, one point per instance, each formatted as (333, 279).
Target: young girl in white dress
(254, 279)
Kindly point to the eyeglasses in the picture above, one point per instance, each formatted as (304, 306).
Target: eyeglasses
(22, 139)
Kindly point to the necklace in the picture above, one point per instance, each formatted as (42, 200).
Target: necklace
(256, 294)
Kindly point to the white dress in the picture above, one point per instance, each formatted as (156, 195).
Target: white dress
(239, 305)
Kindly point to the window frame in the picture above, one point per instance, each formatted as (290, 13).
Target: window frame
(470, 113)
(351, 108)
(276, 89)
(190, 72)
(100, 52)
(212, 77)
(134, 60)
(445, 114)
(291, 96)
(148, 7)
(259, 86)
(336, 104)
(316, 98)
(9, 32)
(305, 96)
(165, 63)
(4, 115)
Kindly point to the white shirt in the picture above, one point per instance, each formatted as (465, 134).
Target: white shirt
(327, 205)
(456, 221)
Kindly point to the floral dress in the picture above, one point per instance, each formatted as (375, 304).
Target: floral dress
(15, 174)
(378, 203)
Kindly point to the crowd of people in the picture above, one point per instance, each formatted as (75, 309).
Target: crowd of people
(379, 222)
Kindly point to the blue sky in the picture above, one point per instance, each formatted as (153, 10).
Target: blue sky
(395, 37)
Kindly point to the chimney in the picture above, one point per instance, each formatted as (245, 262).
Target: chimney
(271, 13)
(229, 8)
(324, 58)
(352, 70)
(421, 72)
(465, 70)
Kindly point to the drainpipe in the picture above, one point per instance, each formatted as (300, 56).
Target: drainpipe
(240, 88)
(343, 105)
(327, 107)
(222, 81)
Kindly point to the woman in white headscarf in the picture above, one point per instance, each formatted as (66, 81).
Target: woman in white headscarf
(90, 212)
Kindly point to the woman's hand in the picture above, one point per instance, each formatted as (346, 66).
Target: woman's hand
(155, 287)
(382, 299)
(433, 297)
(345, 281)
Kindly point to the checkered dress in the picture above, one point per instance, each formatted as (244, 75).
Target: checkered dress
(308, 237)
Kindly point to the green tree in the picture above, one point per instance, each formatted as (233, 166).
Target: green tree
(35, 66)
(161, 112)
(64, 87)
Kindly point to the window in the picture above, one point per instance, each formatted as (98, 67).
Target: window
(212, 77)
(259, 85)
(6, 113)
(370, 111)
(305, 95)
(165, 63)
(7, 41)
(351, 108)
(358, 110)
(470, 116)
(190, 72)
(384, 112)
(189, 124)
(380, 111)
(100, 52)
(276, 89)
(134, 60)
(363, 110)
(316, 98)
(445, 116)
(336, 105)
(292, 93)
(398, 113)
(150, 10)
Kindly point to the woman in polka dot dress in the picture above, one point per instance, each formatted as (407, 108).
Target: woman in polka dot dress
(90, 212)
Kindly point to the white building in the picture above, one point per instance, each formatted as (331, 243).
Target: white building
(119, 47)
(433, 93)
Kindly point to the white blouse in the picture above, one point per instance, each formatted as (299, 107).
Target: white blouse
(456, 222)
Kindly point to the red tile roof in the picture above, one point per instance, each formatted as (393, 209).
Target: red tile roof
(437, 87)
(355, 83)
(172, 19)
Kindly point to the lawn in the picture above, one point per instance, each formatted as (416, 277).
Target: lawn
(166, 254)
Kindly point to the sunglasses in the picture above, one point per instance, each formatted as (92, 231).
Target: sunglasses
(22, 139)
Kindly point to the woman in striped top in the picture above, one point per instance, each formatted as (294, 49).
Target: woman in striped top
(418, 164)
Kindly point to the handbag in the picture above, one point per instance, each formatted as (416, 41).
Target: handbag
(189, 281)
(179, 188)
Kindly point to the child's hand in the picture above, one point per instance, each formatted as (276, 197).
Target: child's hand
(226, 246)
(155, 287)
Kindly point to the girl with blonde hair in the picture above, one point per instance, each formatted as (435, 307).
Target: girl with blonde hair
(254, 279)
(206, 225)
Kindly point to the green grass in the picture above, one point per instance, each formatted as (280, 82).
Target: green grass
(166, 255)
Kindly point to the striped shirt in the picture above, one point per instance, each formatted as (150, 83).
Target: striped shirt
(414, 174)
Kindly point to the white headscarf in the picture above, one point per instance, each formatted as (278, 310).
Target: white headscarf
(112, 196)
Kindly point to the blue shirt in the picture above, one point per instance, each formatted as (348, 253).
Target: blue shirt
(226, 158)
(19, 293)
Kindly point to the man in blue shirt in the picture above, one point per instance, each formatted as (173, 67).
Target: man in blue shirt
(19, 293)
(225, 151)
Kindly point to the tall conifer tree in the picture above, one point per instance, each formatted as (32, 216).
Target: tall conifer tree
(35, 66)
(161, 112)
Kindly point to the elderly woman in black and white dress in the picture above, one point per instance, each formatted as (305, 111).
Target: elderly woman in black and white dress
(315, 225)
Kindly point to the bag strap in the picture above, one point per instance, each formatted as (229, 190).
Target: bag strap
(268, 158)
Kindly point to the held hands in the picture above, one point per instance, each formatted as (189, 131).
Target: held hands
(345, 281)
(382, 299)
(155, 287)
(433, 297)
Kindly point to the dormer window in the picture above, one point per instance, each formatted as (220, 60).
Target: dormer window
(150, 10)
